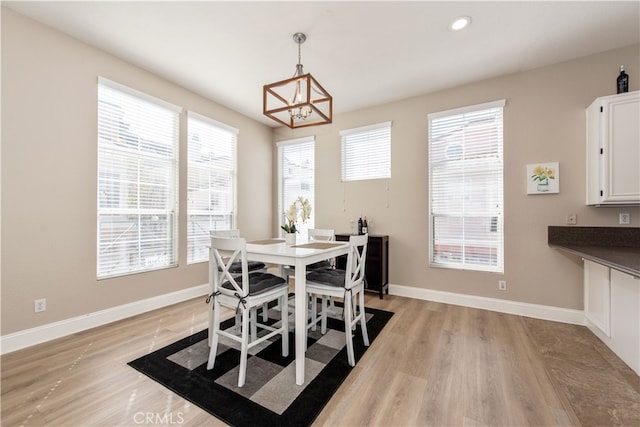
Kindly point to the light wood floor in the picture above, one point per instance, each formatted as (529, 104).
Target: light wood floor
(434, 364)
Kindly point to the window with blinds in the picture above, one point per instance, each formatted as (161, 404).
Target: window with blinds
(211, 182)
(296, 174)
(366, 152)
(466, 188)
(137, 181)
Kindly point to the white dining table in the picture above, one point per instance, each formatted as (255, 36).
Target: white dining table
(303, 253)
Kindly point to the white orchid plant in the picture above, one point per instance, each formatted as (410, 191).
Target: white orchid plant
(300, 209)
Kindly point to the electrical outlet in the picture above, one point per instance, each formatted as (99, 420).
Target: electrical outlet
(572, 219)
(502, 285)
(625, 218)
(40, 305)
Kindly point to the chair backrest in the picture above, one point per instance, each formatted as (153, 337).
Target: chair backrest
(321, 234)
(224, 251)
(234, 232)
(356, 259)
(225, 233)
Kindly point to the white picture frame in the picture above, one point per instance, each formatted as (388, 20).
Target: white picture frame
(543, 178)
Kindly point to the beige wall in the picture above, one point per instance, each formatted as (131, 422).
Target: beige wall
(48, 177)
(544, 121)
(49, 104)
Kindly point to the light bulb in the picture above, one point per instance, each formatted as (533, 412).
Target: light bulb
(460, 23)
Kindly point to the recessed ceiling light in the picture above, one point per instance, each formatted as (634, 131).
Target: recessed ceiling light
(460, 23)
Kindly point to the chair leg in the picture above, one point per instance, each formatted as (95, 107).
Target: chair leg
(210, 336)
(347, 330)
(323, 323)
(332, 306)
(314, 311)
(236, 325)
(354, 308)
(214, 335)
(244, 346)
(284, 313)
(265, 312)
(253, 323)
(363, 319)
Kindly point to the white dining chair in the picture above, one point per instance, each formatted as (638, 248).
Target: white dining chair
(243, 293)
(347, 284)
(316, 234)
(236, 268)
(321, 234)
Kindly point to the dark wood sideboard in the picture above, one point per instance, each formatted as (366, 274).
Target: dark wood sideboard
(377, 263)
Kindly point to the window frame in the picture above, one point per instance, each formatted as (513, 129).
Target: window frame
(495, 218)
(232, 147)
(284, 200)
(373, 143)
(121, 186)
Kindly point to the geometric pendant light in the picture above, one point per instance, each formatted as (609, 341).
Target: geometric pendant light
(299, 101)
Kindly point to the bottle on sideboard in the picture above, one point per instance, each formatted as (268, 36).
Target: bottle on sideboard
(365, 226)
(623, 81)
(360, 225)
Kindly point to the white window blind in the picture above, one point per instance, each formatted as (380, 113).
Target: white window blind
(296, 169)
(466, 188)
(137, 181)
(211, 182)
(366, 152)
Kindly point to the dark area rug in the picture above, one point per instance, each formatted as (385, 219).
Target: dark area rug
(270, 396)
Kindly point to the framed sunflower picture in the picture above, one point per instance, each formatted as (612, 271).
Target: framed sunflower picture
(543, 178)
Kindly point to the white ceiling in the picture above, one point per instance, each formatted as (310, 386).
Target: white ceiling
(363, 53)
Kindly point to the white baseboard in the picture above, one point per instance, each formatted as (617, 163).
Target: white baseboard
(40, 334)
(545, 312)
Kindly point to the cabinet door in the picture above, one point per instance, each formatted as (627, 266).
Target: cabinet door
(597, 296)
(625, 318)
(622, 133)
(341, 261)
(613, 150)
(594, 156)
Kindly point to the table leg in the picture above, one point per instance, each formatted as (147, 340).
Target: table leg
(300, 319)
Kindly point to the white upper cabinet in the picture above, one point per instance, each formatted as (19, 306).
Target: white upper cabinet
(613, 150)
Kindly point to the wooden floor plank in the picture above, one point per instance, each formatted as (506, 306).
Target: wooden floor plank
(433, 364)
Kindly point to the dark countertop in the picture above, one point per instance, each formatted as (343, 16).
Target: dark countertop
(626, 260)
(615, 247)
